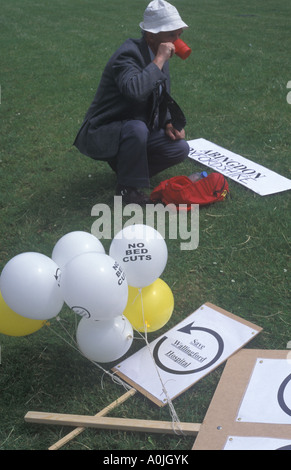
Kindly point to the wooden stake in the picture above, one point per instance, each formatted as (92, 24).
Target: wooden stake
(121, 424)
(57, 445)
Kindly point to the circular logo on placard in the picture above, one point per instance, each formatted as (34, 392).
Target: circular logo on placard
(288, 447)
(190, 356)
(281, 395)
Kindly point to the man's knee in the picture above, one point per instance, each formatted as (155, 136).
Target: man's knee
(178, 151)
(135, 130)
(183, 149)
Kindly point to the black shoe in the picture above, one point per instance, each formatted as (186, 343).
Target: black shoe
(132, 195)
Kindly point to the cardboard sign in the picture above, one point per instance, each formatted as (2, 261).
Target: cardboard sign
(250, 408)
(186, 353)
(251, 175)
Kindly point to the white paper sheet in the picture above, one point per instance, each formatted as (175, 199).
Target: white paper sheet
(186, 353)
(268, 396)
(256, 443)
(251, 175)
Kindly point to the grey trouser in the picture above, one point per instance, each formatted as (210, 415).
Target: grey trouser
(143, 153)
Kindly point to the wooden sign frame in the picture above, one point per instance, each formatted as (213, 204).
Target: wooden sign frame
(220, 420)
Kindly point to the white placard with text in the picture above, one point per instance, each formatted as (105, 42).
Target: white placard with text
(187, 352)
(268, 395)
(256, 443)
(256, 177)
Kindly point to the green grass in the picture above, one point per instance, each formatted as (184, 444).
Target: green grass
(233, 91)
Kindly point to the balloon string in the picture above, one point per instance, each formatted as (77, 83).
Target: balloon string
(174, 415)
(114, 378)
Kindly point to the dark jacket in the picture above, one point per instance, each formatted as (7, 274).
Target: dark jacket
(129, 89)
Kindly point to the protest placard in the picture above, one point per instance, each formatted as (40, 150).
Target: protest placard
(256, 443)
(172, 363)
(256, 177)
(251, 407)
(268, 395)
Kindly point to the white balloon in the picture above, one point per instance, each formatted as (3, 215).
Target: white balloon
(73, 244)
(94, 285)
(142, 252)
(104, 341)
(29, 286)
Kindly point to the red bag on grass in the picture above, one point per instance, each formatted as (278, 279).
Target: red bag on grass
(181, 190)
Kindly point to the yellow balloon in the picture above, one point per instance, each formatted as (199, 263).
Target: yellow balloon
(12, 324)
(150, 308)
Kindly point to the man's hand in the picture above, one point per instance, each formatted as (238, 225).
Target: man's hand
(173, 134)
(166, 50)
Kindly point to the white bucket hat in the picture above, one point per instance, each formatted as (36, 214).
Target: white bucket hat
(161, 16)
